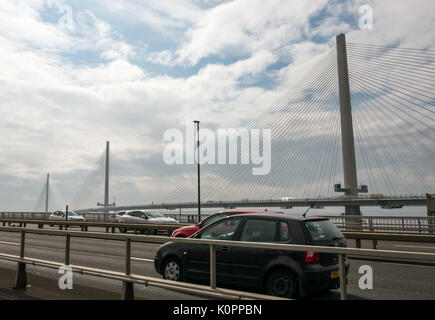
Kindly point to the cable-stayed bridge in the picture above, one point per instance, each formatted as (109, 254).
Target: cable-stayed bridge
(364, 115)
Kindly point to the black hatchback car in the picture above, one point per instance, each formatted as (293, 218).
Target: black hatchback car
(277, 272)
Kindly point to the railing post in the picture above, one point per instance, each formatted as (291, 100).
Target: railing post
(128, 288)
(212, 266)
(342, 271)
(67, 249)
(21, 277)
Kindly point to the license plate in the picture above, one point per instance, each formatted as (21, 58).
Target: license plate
(335, 274)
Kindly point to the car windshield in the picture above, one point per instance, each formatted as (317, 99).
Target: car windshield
(72, 213)
(212, 219)
(322, 230)
(154, 214)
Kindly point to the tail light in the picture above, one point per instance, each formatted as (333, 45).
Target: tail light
(311, 257)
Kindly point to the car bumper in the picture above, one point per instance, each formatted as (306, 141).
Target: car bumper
(320, 280)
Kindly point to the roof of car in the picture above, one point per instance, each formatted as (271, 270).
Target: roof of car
(246, 211)
(279, 216)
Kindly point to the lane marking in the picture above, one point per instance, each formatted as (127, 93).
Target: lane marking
(141, 259)
(408, 246)
(12, 243)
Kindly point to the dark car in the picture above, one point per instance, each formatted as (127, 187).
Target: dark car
(277, 272)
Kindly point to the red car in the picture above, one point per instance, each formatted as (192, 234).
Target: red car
(187, 231)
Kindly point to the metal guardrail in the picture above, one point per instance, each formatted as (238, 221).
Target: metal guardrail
(380, 236)
(384, 224)
(359, 223)
(89, 216)
(84, 225)
(344, 223)
(129, 279)
(145, 228)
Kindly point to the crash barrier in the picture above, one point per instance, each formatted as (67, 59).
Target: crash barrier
(169, 228)
(384, 224)
(344, 223)
(129, 279)
(379, 236)
(84, 225)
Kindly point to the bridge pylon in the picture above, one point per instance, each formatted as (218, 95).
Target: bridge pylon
(347, 138)
(106, 203)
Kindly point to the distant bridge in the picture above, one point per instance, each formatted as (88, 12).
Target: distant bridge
(313, 203)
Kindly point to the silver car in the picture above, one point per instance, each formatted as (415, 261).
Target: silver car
(118, 216)
(146, 217)
(61, 215)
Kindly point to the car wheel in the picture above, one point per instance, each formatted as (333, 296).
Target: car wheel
(123, 230)
(153, 231)
(172, 270)
(282, 283)
(144, 231)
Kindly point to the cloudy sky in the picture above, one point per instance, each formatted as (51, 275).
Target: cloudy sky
(75, 74)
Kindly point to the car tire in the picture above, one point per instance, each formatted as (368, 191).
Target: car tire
(172, 270)
(123, 230)
(282, 283)
(153, 231)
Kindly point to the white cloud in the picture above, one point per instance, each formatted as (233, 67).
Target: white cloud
(58, 113)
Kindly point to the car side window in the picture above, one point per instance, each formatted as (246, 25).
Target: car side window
(221, 230)
(136, 214)
(283, 232)
(212, 219)
(258, 230)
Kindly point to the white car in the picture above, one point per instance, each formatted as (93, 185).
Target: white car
(144, 216)
(118, 216)
(61, 215)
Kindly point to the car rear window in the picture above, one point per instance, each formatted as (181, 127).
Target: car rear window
(322, 230)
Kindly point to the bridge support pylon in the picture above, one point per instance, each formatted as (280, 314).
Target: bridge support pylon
(347, 138)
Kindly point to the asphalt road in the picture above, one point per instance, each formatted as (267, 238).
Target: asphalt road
(391, 280)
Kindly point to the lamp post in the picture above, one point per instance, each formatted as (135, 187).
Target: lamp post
(199, 176)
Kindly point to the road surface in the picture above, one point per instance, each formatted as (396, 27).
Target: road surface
(391, 280)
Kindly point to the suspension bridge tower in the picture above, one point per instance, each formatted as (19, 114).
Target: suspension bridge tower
(106, 203)
(347, 139)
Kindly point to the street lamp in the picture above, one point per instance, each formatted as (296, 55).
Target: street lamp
(199, 179)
